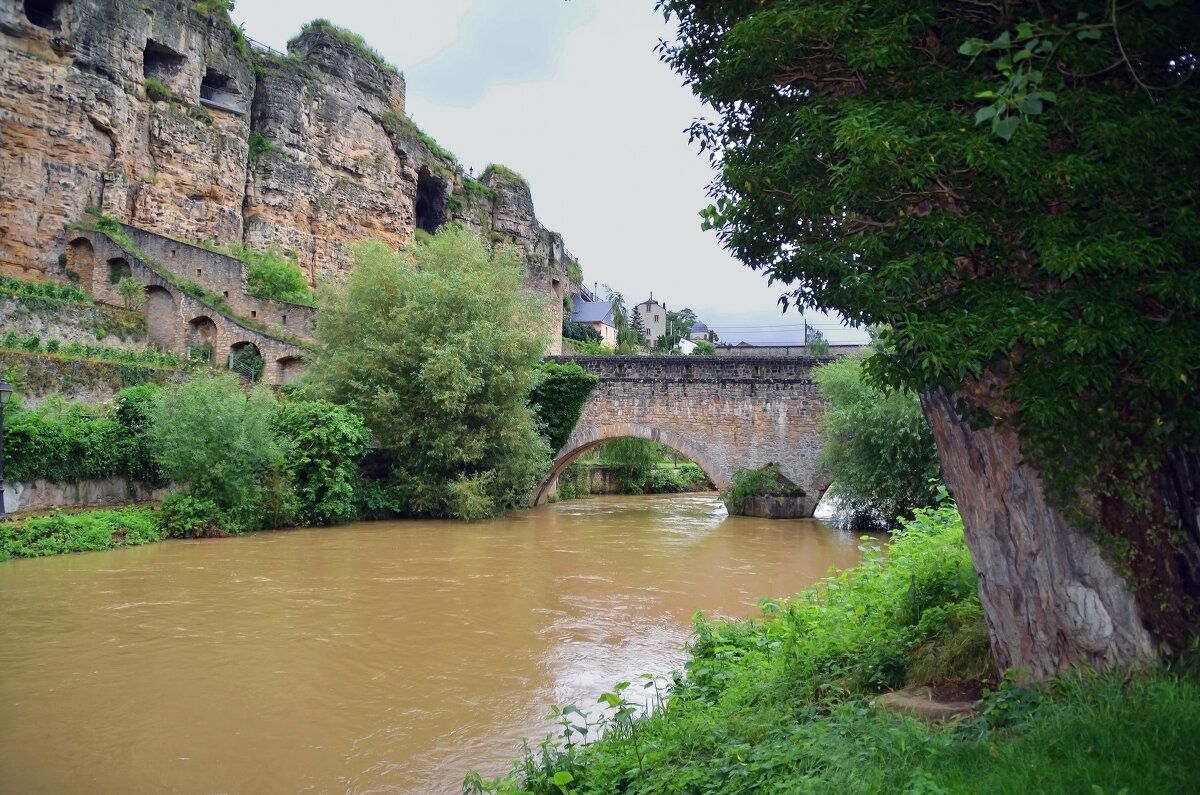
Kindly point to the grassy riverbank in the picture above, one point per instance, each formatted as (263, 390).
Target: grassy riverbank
(788, 703)
(60, 533)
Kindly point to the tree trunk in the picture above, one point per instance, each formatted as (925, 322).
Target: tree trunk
(1051, 600)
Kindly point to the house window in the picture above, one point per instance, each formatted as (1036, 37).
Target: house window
(283, 321)
(656, 318)
(199, 271)
(253, 313)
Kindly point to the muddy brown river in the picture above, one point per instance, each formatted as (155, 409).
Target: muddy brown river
(366, 658)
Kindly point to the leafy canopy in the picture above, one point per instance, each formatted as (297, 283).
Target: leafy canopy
(438, 347)
(1042, 267)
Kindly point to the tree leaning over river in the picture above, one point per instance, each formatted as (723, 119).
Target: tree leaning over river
(1011, 190)
(438, 346)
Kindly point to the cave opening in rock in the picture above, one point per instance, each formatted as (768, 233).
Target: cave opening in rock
(430, 207)
(43, 13)
(161, 62)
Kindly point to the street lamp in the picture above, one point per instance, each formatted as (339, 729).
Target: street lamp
(5, 394)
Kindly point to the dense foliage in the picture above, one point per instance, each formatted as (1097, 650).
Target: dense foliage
(1010, 189)
(271, 275)
(69, 442)
(579, 331)
(215, 438)
(438, 346)
(323, 446)
(877, 448)
(558, 399)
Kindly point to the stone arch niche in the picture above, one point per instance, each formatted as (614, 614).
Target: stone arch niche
(246, 360)
(81, 261)
(290, 368)
(118, 269)
(161, 318)
(201, 337)
(429, 210)
(43, 13)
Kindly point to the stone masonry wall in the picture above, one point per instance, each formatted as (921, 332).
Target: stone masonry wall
(723, 413)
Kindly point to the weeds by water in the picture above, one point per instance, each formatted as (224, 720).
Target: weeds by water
(786, 703)
(61, 532)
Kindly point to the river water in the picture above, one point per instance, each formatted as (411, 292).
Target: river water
(372, 657)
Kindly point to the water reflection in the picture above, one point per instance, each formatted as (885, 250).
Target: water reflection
(380, 657)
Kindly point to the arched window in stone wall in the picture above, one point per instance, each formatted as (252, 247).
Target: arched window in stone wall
(161, 318)
(81, 262)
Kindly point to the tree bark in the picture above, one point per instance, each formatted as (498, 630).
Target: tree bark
(1051, 599)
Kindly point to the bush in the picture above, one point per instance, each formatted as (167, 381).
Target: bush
(323, 445)
(95, 530)
(878, 448)
(271, 275)
(218, 440)
(157, 91)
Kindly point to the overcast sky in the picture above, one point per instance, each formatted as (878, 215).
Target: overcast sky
(572, 96)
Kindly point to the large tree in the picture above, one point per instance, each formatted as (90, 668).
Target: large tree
(437, 346)
(1010, 189)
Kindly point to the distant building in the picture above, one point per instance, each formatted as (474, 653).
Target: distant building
(654, 318)
(702, 332)
(598, 315)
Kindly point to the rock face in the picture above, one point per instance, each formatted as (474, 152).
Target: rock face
(160, 114)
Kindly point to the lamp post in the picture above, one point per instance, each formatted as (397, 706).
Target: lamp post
(5, 394)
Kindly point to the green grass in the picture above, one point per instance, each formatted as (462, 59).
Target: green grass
(60, 533)
(787, 703)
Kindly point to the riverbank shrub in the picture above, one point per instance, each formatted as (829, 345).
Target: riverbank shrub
(209, 434)
(70, 442)
(877, 447)
(438, 346)
(323, 445)
(95, 530)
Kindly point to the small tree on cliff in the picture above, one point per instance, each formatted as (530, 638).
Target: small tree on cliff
(1010, 189)
(437, 346)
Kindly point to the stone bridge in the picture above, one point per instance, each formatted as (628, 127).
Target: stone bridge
(723, 413)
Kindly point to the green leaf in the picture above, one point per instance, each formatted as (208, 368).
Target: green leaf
(983, 114)
(971, 47)
(1005, 127)
(1091, 34)
(1031, 105)
(562, 778)
(1001, 41)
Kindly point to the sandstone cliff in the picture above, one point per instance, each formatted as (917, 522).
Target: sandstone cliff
(162, 115)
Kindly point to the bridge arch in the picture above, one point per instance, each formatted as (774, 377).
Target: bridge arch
(585, 439)
(724, 413)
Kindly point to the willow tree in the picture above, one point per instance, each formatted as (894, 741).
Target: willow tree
(1011, 189)
(437, 346)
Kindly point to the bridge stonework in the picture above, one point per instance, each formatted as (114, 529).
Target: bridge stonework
(723, 413)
